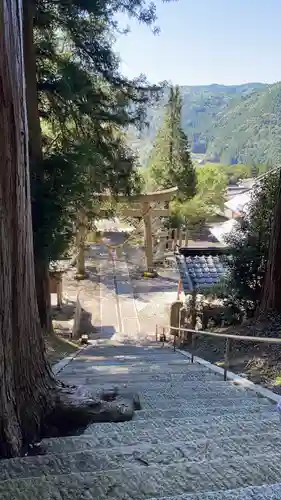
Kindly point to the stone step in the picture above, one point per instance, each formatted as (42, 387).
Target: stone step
(266, 492)
(121, 378)
(141, 483)
(123, 356)
(198, 412)
(161, 403)
(249, 417)
(107, 348)
(177, 390)
(127, 358)
(95, 437)
(181, 397)
(133, 369)
(129, 351)
(142, 455)
(151, 398)
(175, 384)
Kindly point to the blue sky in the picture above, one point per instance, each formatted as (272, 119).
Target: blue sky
(207, 41)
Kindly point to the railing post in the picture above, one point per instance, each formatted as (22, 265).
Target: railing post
(163, 337)
(179, 332)
(192, 347)
(226, 357)
(156, 333)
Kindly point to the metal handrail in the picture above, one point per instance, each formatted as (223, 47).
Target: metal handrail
(228, 338)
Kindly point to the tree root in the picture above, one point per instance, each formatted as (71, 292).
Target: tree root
(76, 407)
(112, 394)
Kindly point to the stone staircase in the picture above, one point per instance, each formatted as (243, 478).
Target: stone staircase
(195, 438)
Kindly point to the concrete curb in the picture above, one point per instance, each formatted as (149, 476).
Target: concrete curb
(60, 365)
(237, 379)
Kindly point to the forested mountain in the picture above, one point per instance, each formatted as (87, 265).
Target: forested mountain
(231, 124)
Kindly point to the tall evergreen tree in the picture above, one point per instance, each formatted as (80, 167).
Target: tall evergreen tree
(170, 161)
(271, 296)
(28, 389)
(74, 85)
(26, 381)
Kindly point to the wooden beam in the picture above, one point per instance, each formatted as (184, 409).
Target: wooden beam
(136, 212)
(164, 195)
(154, 212)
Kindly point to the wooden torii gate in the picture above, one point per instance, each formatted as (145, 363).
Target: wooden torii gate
(141, 207)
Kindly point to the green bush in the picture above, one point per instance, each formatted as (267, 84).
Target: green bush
(249, 245)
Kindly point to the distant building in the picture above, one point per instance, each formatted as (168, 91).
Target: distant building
(237, 205)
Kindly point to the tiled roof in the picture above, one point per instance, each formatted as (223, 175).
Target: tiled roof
(198, 272)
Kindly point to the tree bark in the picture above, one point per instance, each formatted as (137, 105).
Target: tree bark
(31, 401)
(271, 296)
(36, 162)
(24, 373)
(42, 283)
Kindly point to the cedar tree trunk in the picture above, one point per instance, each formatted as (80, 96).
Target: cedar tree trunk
(42, 283)
(271, 297)
(24, 373)
(36, 162)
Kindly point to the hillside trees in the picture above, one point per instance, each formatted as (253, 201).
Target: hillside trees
(170, 162)
(75, 90)
(227, 124)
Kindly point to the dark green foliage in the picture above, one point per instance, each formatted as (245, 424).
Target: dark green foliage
(230, 124)
(250, 244)
(170, 163)
(84, 106)
(52, 205)
(202, 208)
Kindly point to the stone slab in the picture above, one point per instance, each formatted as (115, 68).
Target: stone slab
(140, 483)
(176, 388)
(137, 366)
(207, 403)
(122, 376)
(188, 393)
(249, 418)
(198, 412)
(266, 492)
(144, 455)
(163, 432)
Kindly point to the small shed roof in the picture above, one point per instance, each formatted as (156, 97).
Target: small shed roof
(200, 271)
(239, 203)
(221, 231)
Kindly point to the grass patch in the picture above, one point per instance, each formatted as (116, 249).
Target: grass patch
(277, 381)
(58, 348)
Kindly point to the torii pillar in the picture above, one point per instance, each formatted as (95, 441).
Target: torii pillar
(147, 212)
(148, 240)
(140, 206)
